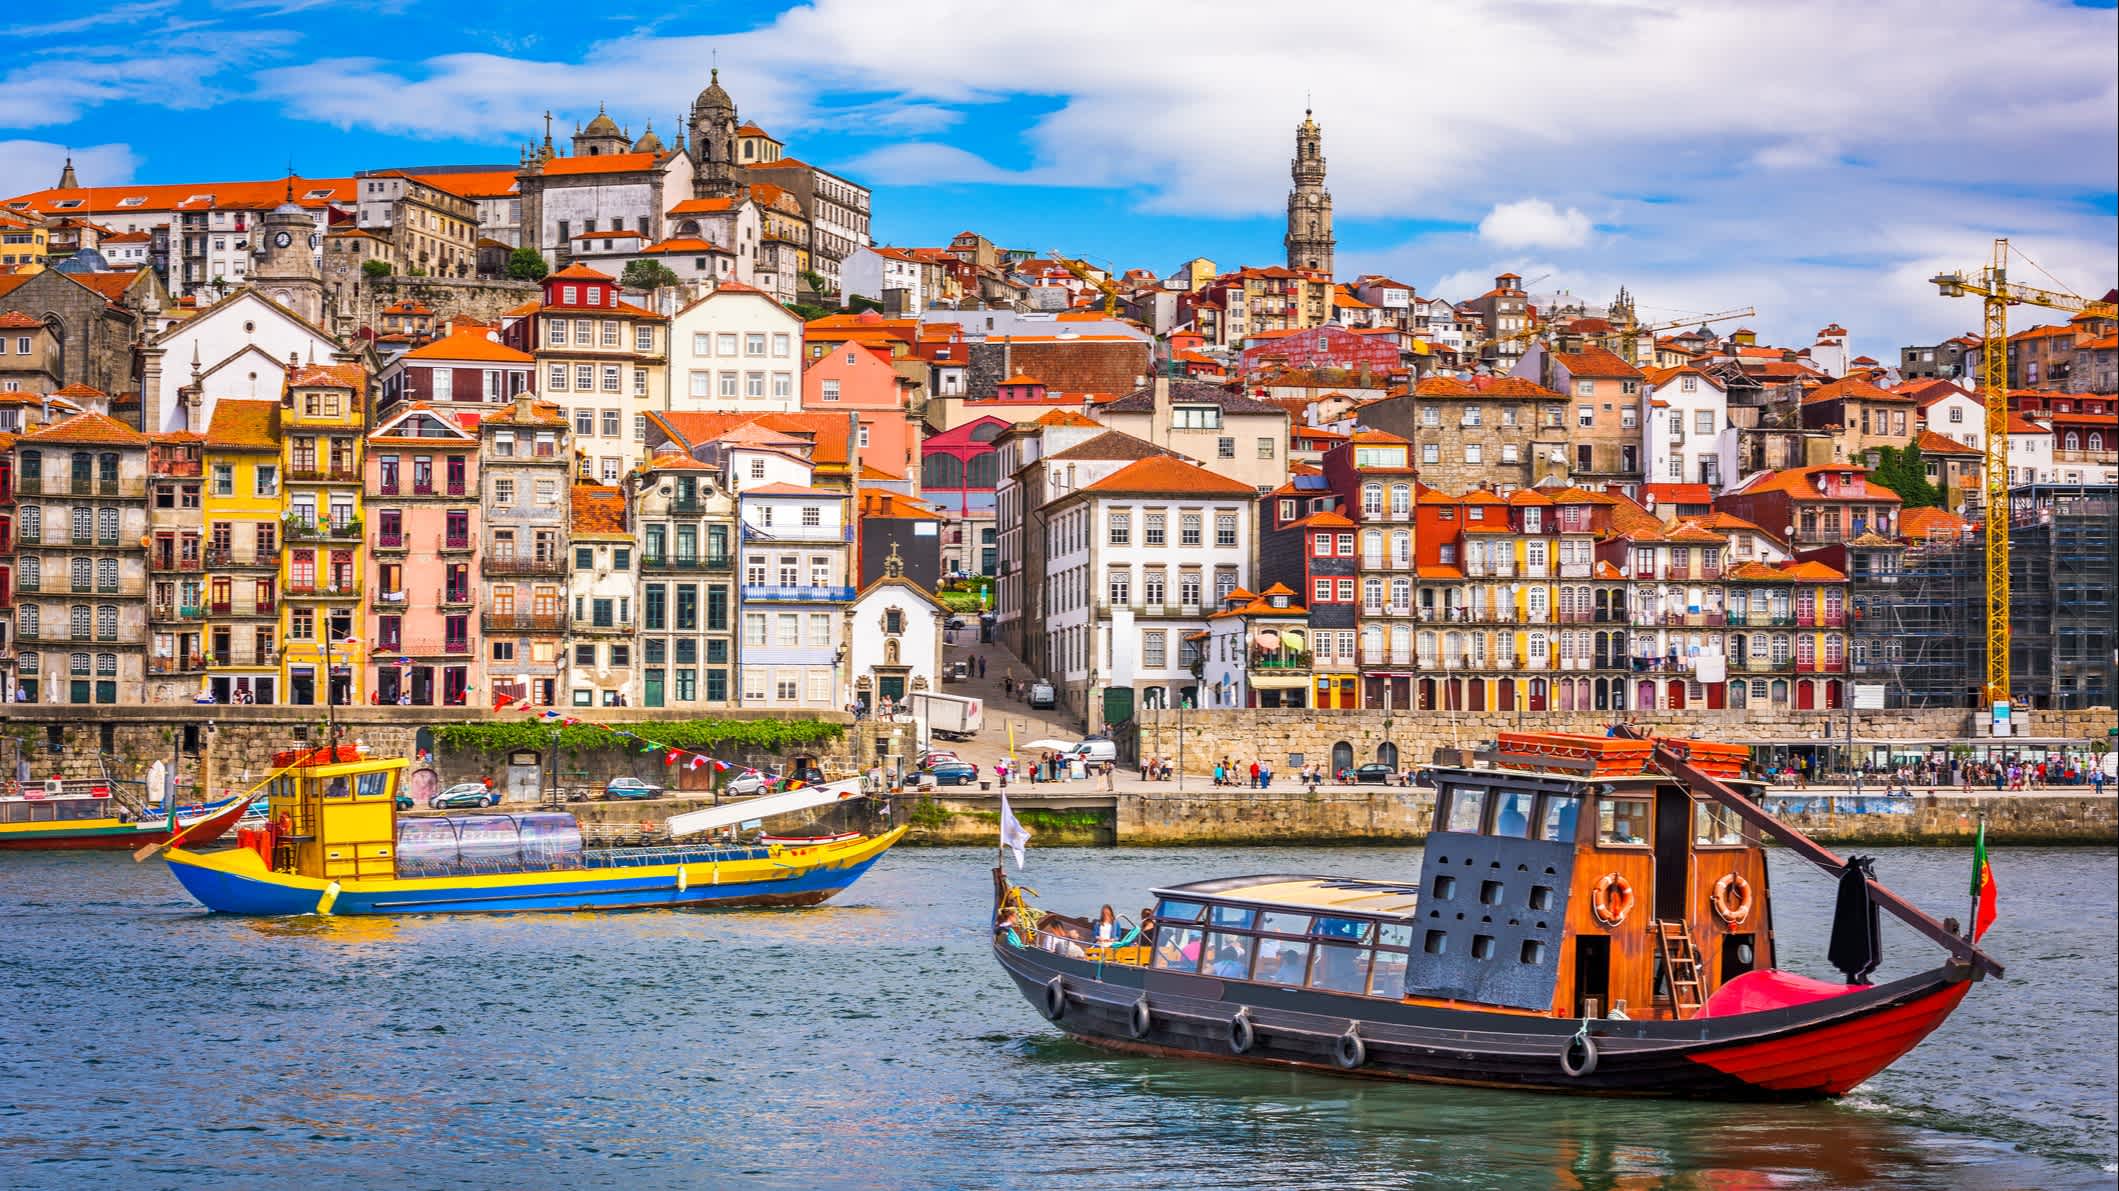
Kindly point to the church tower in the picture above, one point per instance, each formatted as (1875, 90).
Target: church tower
(283, 263)
(714, 142)
(1309, 240)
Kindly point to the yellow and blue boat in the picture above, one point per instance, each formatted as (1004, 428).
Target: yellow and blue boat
(334, 845)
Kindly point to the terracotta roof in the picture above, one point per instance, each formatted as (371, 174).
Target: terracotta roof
(1168, 474)
(111, 285)
(1326, 519)
(1859, 390)
(580, 272)
(1922, 523)
(530, 413)
(895, 506)
(704, 206)
(1801, 482)
(88, 428)
(1596, 363)
(169, 197)
(476, 184)
(1111, 444)
(1680, 494)
(1065, 417)
(680, 245)
(1482, 386)
(469, 344)
(1811, 572)
(598, 509)
(340, 376)
(603, 163)
(1658, 377)
(15, 320)
(783, 489)
(240, 424)
(675, 461)
(1932, 443)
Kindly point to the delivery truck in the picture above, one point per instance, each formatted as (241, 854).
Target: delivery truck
(951, 717)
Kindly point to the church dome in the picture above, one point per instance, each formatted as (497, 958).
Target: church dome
(87, 260)
(648, 142)
(602, 125)
(714, 97)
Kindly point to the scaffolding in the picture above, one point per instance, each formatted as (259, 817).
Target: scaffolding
(1935, 644)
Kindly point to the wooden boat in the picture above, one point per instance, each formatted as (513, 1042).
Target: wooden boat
(1591, 915)
(336, 845)
(87, 815)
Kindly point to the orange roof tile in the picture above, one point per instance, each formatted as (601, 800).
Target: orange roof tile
(1932, 443)
(604, 163)
(469, 344)
(1168, 474)
(240, 424)
(598, 509)
(329, 376)
(1596, 363)
(1482, 386)
(1859, 390)
(89, 428)
(1923, 523)
(580, 272)
(1811, 572)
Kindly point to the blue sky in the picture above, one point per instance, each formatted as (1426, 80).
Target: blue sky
(1809, 159)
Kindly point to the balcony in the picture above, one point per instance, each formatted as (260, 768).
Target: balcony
(163, 562)
(453, 597)
(797, 533)
(1280, 659)
(589, 627)
(223, 559)
(455, 543)
(324, 588)
(1820, 666)
(177, 612)
(189, 663)
(515, 566)
(1388, 657)
(524, 622)
(1764, 620)
(763, 593)
(311, 471)
(664, 562)
(423, 647)
(348, 530)
(390, 541)
(132, 487)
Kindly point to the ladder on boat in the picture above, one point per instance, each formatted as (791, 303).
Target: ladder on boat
(1681, 965)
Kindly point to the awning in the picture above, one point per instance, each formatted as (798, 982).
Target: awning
(764, 807)
(1278, 682)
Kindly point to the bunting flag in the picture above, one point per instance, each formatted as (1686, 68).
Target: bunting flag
(671, 755)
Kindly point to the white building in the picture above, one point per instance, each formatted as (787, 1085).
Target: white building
(894, 629)
(1135, 563)
(872, 272)
(1257, 651)
(795, 552)
(735, 350)
(238, 347)
(2030, 451)
(1684, 412)
(732, 224)
(1952, 411)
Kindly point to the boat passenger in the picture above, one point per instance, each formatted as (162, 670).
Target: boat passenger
(1108, 929)
(1229, 962)
(1005, 927)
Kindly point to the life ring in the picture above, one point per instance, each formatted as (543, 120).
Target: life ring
(1055, 1006)
(1140, 1021)
(1241, 1035)
(1732, 899)
(1588, 1046)
(1350, 1051)
(1611, 900)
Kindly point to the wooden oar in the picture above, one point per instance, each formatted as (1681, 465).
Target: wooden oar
(150, 851)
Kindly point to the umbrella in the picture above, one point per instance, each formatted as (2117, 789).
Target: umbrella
(1054, 745)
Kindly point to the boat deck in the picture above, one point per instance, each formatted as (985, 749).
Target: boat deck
(1349, 895)
(590, 858)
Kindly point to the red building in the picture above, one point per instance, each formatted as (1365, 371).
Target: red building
(1327, 346)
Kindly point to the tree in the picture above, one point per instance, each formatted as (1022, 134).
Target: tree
(648, 276)
(1902, 470)
(375, 270)
(527, 264)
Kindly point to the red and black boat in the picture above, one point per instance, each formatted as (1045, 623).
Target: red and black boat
(1592, 915)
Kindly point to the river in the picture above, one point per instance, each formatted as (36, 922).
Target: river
(873, 1042)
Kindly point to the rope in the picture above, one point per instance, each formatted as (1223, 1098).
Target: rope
(2063, 286)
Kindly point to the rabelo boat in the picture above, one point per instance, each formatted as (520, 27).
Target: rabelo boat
(88, 814)
(1592, 915)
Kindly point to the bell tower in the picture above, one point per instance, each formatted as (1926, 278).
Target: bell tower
(283, 259)
(1309, 239)
(713, 126)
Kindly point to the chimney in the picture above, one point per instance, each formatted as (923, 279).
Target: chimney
(1160, 418)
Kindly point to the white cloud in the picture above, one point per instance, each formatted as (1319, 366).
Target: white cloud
(36, 164)
(922, 163)
(1535, 223)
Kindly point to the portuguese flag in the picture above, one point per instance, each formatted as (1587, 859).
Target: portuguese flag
(1983, 911)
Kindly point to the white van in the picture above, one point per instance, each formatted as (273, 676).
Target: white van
(1094, 752)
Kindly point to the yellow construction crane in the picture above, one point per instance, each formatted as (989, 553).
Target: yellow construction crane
(1088, 275)
(1993, 287)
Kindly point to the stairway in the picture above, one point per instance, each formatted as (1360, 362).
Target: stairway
(1681, 962)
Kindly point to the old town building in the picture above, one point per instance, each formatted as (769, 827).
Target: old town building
(525, 464)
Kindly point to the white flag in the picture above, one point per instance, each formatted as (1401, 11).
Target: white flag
(1013, 834)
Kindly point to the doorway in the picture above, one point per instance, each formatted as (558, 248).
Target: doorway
(1673, 822)
(1592, 975)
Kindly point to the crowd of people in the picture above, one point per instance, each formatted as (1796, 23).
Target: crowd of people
(1966, 775)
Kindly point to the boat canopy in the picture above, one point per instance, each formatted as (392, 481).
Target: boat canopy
(787, 802)
(457, 845)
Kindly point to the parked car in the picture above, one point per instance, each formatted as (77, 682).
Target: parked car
(935, 756)
(954, 622)
(1094, 750)
(463, 796)
(630, 788)
(953, 773)
(1042, 696)
(808, 776)
(745, 785)
(1375, 773)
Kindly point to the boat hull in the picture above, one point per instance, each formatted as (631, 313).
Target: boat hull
(1813, 1051)
(114, 834)
(238, 882)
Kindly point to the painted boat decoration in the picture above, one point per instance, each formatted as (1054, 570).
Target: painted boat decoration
(86, 815)
(335, 845)
(1591, 916)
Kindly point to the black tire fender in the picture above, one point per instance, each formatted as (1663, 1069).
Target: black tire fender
(1054, 1005)
(1241, 1035)
(1350, 1051)
(1587, 1045)
(1140, 1020)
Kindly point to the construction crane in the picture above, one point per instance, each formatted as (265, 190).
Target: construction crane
(1088, 275)
(1993, 287)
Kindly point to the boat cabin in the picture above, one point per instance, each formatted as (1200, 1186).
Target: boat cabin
(333, 814)
(1300, 932)
(1568, 876)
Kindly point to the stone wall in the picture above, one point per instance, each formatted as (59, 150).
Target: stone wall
(1277, 734)
(471, 297)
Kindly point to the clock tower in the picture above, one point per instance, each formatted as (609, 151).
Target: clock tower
(283, 259)
(1309, 238)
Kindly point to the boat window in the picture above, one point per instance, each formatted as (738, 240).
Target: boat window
(336, 788)
(372, 785)
(1387, 978)
(1395, 934)
(1622, 821)
(1170, 911)
(1467, 805)
(1177, 948)
(1281, 962)
(1512, 811)
(1340, 969)
(1558, 825)
(1716, 826)
(1231, 915)
(1352, 930)
(1287, 924)
(1229, 956)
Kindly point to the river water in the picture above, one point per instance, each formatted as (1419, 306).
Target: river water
(873, 1042)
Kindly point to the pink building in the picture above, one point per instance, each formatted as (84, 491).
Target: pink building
(422, 506)
(852, 378)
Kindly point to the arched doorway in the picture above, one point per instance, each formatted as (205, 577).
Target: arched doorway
(1537, 694)
(1342, 757)
(1805, 696)
(1737, 691)
(1387, 754)
(1644, 695)
(1677, 694)
(1505, 695)
(1477, 694)
(1427, 694)
(1834, 695)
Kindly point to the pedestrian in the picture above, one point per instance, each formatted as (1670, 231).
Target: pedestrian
(1254, 773)
(2097, 780)
(982, 666)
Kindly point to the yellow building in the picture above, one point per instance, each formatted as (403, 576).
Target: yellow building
(241, 512)
(323, 423)
(25, 237)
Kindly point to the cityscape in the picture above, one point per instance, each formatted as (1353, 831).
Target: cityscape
(614, 510)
